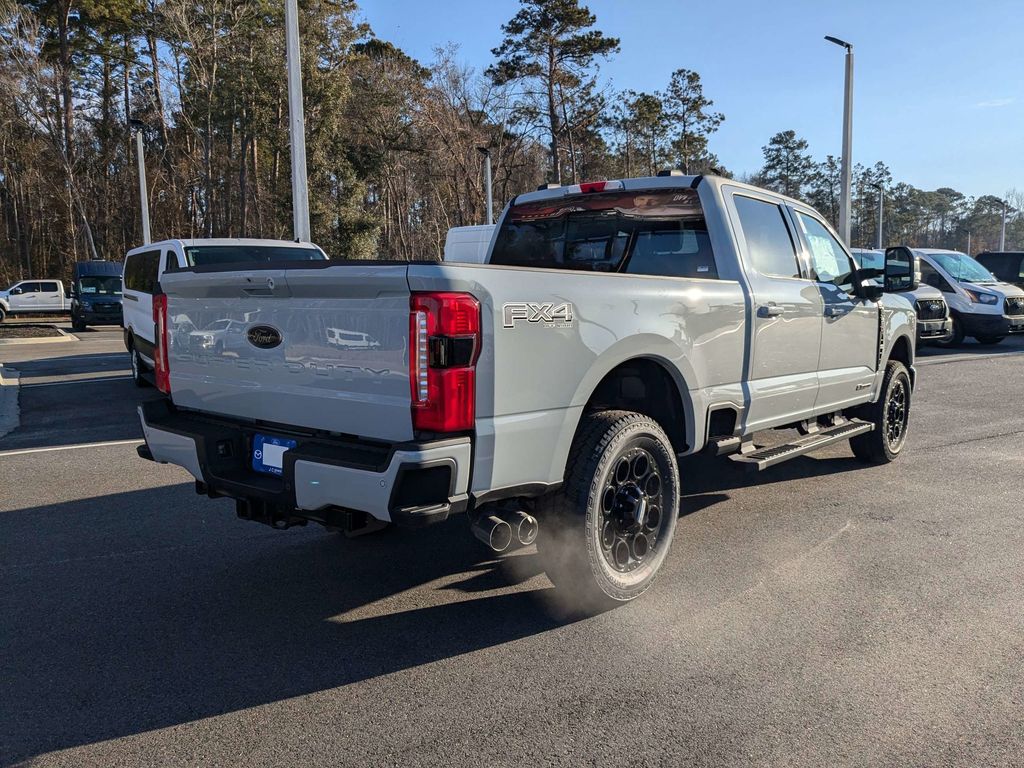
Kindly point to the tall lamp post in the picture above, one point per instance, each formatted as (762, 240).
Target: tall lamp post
(846, 174)
(486, 152)
(881, 205)
(139, 127)
(296, 123)
(1002, 230)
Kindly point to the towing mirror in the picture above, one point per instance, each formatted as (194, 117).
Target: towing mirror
(902, 270)
(866, 284)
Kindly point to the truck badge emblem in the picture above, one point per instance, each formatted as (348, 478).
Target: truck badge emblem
(263, 336)
(550, 315)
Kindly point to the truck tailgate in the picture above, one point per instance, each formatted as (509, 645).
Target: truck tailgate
(320, 348)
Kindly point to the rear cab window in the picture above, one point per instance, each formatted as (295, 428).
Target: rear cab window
(216, 255)
(639, 232)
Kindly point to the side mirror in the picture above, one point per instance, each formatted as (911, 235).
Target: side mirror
(902, 270)
(866, 284)
(16, 291)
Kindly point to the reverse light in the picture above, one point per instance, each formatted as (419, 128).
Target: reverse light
(444, 344)
(161, 368)
(979, 297)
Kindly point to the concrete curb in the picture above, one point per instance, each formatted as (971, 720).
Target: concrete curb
(9, 412)
(64, 336)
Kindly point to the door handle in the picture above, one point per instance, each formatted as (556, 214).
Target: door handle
(833, 311)
(770, 310)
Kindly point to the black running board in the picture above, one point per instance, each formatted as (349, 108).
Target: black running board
(762, 458)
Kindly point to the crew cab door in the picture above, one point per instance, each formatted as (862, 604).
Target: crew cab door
(51, 297)
(849, 333)
(25, 297)
(786, 316)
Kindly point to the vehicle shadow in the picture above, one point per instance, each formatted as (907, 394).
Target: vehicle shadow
(119, 618)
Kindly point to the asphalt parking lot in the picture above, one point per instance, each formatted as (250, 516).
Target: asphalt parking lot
(819, 613)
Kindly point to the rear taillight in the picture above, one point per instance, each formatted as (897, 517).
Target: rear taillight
(160, 366)
(444, 344)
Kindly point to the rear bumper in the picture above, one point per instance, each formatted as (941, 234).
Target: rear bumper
(406, 483)
(991, 325)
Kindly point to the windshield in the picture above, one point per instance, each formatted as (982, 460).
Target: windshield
(963, 268)
(109, 285)
(202, 255)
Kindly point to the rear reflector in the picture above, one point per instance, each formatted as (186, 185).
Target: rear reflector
(161, 368)
(444, 344)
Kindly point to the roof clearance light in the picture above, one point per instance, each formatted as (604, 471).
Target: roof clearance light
(593, 186)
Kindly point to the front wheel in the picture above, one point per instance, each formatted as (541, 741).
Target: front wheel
(890, 415)
(956, 334)
(606, 533)
(77, 323)
(987, 340)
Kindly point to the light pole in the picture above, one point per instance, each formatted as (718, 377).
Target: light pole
(486, 152)
(881, 204)
(296, 123)
(138, 126)
(846, 173)
(1002, 231)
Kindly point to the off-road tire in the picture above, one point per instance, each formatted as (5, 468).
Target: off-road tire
(574, 522)
(884, 443)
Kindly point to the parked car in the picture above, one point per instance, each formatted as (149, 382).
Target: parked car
(980, 304)
(616, 325)
(144, 266)
(38, 297)
(96, 294)
(468, 244)
(933, 320)
(1007, 266)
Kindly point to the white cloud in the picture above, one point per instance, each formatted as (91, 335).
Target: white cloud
(995, 103)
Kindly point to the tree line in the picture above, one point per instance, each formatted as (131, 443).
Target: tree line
(392, 143)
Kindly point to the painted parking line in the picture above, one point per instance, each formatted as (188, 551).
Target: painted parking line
(70, 447)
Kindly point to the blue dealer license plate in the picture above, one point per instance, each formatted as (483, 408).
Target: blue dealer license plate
(268, 453)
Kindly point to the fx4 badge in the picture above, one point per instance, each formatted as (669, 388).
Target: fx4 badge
(550, 315)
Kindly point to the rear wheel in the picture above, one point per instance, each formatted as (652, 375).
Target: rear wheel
(989, 339)
(890, 415)
(606, 534)
(138, 368)
(3, 314)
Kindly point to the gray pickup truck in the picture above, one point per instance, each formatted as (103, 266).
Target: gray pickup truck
(548, 393)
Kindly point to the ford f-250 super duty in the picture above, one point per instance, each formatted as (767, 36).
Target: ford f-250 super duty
(617, 326)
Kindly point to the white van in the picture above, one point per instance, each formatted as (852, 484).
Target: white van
(981, 305)
(144, 266)
(468, 245)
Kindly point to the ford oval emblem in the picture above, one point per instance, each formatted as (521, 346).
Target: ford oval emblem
(263, 336)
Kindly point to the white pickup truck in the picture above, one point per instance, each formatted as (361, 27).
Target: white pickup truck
(38, 297)
(617, 326)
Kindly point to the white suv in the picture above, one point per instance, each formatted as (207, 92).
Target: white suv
(144, 266)
(981, 305)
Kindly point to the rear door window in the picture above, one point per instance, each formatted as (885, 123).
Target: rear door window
(49, 288)
(141, 271)
(659, 232)
(770, 247)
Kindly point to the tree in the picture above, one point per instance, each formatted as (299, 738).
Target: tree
(550, 48)
(825, 188)
(688, 109)
(788, 167)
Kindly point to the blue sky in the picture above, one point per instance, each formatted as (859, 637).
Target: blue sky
(938, 89)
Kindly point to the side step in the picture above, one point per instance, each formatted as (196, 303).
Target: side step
(762, 458)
